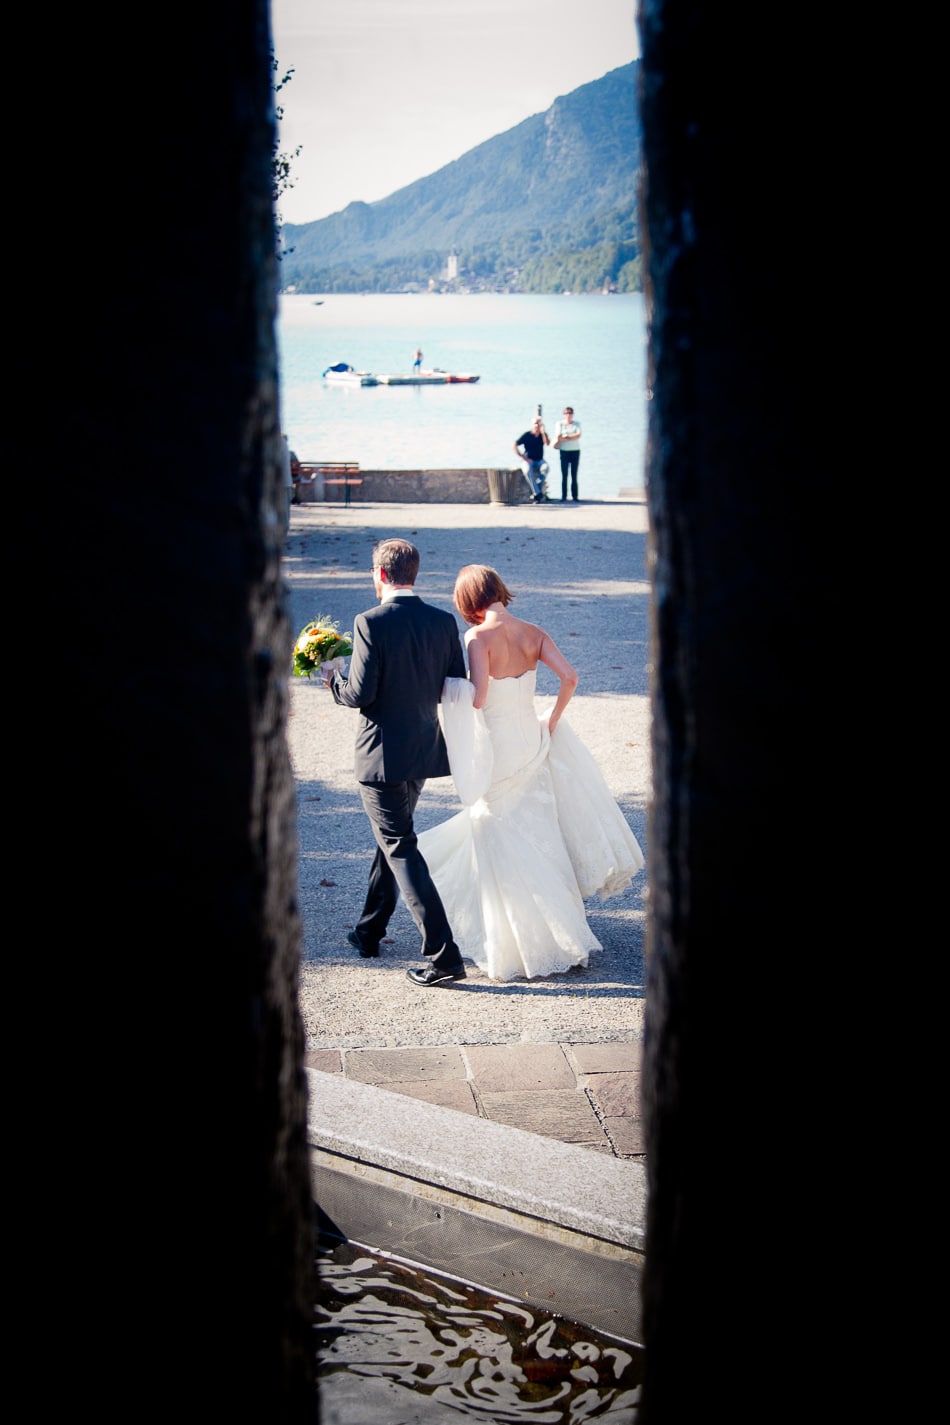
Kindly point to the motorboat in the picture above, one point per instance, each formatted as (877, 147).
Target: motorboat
(346, 376)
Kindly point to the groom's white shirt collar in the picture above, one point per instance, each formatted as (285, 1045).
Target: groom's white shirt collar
(389, 592)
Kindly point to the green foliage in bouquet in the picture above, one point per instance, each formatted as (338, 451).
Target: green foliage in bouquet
(317, 643)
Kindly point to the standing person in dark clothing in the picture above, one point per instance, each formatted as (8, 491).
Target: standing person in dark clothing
(403, 651)
(529, 447)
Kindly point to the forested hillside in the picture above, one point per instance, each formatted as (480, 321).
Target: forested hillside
(546, 207)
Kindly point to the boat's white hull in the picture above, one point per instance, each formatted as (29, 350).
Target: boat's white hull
(351, 378)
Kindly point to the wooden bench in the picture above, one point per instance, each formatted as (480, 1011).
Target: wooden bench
(334, 472)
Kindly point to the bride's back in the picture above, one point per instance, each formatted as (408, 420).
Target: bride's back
(513, 646)
(501, 646)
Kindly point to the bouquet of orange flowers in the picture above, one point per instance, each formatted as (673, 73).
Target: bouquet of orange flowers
(317, 643)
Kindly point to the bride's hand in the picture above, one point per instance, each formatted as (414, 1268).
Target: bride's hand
(549, 720)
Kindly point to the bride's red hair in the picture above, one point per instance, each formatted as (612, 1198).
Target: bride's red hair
(478, 586)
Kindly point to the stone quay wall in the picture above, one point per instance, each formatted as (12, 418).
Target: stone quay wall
(413, 487)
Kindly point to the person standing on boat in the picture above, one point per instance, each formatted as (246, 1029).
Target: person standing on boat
(529, 447)
(417, 364)
(567, 442)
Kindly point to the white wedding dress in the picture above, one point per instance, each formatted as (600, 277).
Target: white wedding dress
(540, 831)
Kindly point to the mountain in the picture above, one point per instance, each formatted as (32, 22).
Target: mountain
(549, 204)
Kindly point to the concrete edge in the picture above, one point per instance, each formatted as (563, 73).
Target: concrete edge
(591, 1194)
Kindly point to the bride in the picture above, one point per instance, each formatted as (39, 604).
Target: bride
(540, 830)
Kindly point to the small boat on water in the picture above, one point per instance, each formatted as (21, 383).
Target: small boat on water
(346, 376)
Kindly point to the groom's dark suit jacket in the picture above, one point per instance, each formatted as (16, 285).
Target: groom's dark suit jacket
(403, 651)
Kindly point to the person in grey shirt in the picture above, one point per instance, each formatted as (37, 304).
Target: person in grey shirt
(567, 443)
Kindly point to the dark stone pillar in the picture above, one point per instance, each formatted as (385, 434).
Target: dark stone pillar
(749, 945)
(181, 1117)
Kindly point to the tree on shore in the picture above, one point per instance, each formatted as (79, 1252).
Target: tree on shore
(281, 163)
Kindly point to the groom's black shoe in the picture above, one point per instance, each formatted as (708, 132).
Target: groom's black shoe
(431, 976)
(367, 952)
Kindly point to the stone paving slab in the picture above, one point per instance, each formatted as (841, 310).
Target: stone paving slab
(565, 1115)
(627, 1136)
(605, 1058)
(389, 1066)
(448, 1093)
(500, 1067)
(328, 1061)
(616, 1095)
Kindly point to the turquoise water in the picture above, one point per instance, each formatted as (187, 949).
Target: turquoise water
(585, 351)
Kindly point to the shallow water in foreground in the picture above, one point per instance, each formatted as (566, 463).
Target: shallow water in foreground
(399, 1344)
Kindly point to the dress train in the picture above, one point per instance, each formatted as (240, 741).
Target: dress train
(539, 832)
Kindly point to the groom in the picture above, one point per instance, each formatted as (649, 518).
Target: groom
(402, 653)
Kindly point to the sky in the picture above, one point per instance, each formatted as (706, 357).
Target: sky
(385, 92)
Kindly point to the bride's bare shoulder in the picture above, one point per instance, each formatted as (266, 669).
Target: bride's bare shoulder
(532, 633)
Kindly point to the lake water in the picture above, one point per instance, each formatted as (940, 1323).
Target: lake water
(585, 351)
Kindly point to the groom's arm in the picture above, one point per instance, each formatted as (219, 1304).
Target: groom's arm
(457, 661)
(360, 686)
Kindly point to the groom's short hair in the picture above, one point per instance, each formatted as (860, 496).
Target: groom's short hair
(398, 559)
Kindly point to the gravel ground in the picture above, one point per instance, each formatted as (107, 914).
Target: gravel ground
(580, 571)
